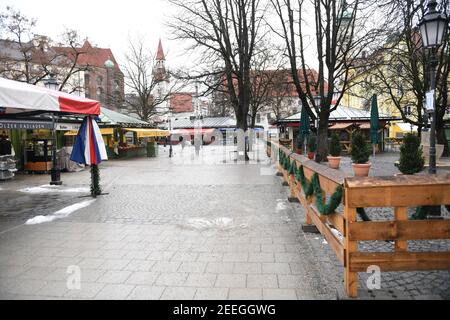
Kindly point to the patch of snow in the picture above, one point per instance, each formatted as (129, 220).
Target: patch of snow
(281, 205)
(337, 234)
(324, 241)
(63, 213)
(52, 189)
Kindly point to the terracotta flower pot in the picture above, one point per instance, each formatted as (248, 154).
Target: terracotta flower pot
(334, 162)
(311, 155)
(361, 169)
(299, 151)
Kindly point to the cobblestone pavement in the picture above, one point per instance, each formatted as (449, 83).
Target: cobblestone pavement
(182, 228)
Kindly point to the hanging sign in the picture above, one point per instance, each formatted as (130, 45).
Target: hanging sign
(430, 101)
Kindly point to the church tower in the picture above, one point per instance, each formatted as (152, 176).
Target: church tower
(162, 79)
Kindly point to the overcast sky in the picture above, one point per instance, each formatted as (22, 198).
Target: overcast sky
(107, 23)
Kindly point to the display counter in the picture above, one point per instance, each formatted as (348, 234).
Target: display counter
(132, 151)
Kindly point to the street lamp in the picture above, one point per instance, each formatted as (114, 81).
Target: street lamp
(432, 29)
(52, 84)
(170, 133)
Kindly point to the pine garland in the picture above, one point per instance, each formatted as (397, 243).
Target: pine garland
(334, 201)
(292, 169)
(314, 188)
(363, 215)
(306, 187)
(95, 181)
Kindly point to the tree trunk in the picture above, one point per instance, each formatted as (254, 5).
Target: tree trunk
(241, 123)
(322, 137)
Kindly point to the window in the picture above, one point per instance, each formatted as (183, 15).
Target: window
(99, 80)
(100, 94)
(408, 110)
(87, 79)
(116, 85)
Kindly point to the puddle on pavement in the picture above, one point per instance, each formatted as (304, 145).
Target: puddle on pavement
(222, 223)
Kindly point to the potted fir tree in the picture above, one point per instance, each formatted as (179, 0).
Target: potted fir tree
(334, 159)
(360, 155)
(411, 155)
(312, 146)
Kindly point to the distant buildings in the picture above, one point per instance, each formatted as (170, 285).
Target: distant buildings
(87, 71)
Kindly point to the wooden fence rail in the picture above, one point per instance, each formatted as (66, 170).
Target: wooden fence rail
(342, 230)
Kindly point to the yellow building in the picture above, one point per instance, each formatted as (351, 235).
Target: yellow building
(381, 74)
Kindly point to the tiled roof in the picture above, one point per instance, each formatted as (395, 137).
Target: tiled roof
(280, 83)
(115, 118)
(160, 53)
(91, 56)
(341, 113)
(181, 102)
(215, 122)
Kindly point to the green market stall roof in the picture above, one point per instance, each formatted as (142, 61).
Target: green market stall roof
(109, 117)
(341, 114)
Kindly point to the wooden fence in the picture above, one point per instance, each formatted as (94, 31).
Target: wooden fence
(395, 192)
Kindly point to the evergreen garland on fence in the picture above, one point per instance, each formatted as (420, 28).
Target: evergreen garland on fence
(293, 169)
(314, 188)
(333, 202)
(306, 187)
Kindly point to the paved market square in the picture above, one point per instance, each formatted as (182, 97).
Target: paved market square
(175, 228)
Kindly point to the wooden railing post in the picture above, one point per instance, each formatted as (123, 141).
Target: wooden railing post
(350, 278)
(401, 214)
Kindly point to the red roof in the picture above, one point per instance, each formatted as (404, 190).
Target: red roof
(181, 102)
(279, 83)
(92, 56)
(160, 54)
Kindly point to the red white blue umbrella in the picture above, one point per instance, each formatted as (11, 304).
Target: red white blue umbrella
(89, 146)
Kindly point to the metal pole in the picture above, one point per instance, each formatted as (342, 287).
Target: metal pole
(55, 173)
(170, 136)
(434, 212)
(432, 167)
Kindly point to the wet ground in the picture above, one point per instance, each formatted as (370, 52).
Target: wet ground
(189, 227)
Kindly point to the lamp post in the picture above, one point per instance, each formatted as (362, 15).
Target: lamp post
(52, 84)
(170, 134)
(432, 29)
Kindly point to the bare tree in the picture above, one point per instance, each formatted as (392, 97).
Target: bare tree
(26, 57)
(341, 31)
(399, 68)
(225, 32)
(143, 80)
(266, 66)
(16, 57)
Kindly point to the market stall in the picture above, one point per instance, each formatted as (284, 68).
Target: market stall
(25, 108)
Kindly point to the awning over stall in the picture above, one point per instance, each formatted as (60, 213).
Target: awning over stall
(147, 133)
(191, 131)
(17, 97)
(103, 131)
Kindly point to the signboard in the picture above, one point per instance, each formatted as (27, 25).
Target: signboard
(68, 126)
(430, 101)
(25, 125)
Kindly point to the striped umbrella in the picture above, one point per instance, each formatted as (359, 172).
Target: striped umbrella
(90, 149)
(89, 146)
